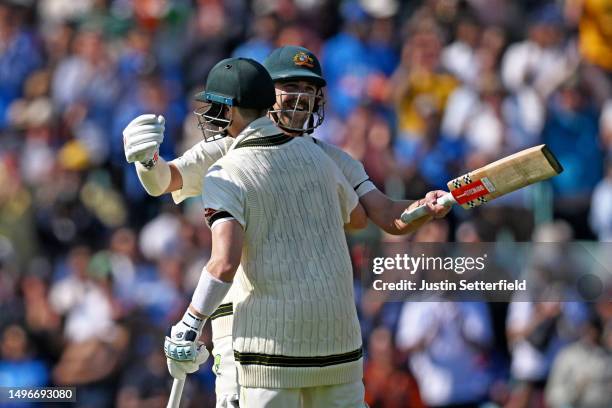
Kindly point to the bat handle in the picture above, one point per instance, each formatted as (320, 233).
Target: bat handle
(175, 395)
(409, 216)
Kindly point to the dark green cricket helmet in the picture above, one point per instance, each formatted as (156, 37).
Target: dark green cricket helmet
(241, 82)
(294, 63)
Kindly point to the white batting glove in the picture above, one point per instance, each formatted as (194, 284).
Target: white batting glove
(184, 352)
(142, 137)
(180, 369)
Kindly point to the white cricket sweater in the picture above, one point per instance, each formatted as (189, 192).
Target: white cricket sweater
(295, 323)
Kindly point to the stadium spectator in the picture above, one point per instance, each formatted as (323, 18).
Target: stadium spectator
(447, 344)
(144, 385)
(571, 130)
(594, 39)
(386, 385)
(20, 55)
(542, 61)
(601, 213)
(349, 62)
(544, 320)
(460, 58)
(82, 298)
(419, 88)
(19, 367)
(580, 376)
(87, 76)
(261, 43)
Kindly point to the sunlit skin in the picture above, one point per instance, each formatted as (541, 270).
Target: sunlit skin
(287, 99)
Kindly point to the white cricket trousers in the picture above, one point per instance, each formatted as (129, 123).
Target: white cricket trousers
(349, 395)
(224, 367)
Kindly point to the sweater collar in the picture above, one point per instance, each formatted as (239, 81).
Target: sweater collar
(261, 127)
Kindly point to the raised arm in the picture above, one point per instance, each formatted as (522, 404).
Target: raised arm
(182, 176)
(141, 140)
(160, 179)
(382, 210)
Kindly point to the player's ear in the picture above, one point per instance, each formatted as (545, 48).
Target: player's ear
(230, 112)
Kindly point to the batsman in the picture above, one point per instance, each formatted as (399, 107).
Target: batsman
(298, 109)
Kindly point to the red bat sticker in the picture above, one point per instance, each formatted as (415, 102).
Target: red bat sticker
(470, 192)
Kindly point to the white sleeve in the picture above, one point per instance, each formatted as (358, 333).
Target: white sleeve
(352, 169)
(346, 194)
(222, 197)
(194, 164)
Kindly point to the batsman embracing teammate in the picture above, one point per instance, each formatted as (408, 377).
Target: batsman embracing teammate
(298, 110)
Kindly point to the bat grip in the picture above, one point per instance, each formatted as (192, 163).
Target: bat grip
(175, 395)
(409, 216)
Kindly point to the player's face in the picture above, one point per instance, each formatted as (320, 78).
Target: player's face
(213, 120)
(298, 107)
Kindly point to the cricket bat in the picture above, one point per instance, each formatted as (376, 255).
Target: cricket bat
(175, 395)
(495, 180)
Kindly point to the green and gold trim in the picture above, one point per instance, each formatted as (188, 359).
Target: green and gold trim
(225, 309)
(267, 141)
(291, 361)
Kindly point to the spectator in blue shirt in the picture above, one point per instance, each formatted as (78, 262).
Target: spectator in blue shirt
(18, 366)
(19, 56)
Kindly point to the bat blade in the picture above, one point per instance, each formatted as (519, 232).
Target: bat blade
(496, 179)
(504, 176)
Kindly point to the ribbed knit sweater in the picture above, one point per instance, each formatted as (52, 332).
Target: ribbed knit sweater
(295, 323)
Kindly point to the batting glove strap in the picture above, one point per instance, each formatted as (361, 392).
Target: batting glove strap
(192, 321)
(149, 164)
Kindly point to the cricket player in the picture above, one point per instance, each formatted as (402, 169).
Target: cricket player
(298, 110)
(276, 206)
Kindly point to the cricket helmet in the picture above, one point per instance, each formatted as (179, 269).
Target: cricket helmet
(240, 82)
(296, 110)
(292, 63)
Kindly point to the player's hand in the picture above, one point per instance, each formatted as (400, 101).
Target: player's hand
(180, 369)
(184, 353)
(418, 222)
(142, 137)
(437, 210)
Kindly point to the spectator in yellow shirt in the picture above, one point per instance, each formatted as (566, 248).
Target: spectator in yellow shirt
(419, 87)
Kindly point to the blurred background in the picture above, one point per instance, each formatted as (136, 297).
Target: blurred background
(92, 270)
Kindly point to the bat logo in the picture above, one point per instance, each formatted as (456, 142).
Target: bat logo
(471, 191)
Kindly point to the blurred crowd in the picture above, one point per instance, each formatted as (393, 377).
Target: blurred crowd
(93, 270)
